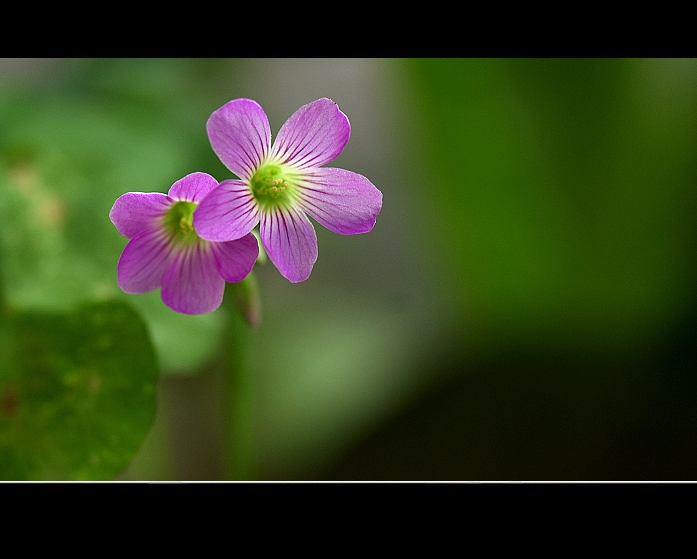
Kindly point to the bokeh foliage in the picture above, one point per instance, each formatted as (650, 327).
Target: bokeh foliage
(65, 156)
(562, 195)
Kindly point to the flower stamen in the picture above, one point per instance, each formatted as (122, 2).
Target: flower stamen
(179, 221)
(272, 184)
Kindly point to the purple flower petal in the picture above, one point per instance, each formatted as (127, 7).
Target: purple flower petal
(192, 284)
(228, 212)
(235, 259)
(290, 242)
(193, 187)
(314, 135)
(240, 135)
(344, 202)
(134, 212)
(144, 261)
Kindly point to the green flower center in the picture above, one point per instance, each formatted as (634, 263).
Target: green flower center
(179, 222)
(273, 185)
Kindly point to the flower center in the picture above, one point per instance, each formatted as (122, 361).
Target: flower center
(273, 184)
(179, 222)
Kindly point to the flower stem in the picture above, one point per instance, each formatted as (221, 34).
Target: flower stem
(4, 307)
(239, 413)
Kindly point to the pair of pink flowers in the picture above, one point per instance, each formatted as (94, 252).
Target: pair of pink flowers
(196, 237)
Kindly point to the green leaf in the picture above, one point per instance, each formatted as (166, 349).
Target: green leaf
(77, 392)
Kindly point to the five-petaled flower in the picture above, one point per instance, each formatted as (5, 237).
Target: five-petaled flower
(280, 186)
(165, 250)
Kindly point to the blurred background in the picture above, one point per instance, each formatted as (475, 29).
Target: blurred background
(524, 309)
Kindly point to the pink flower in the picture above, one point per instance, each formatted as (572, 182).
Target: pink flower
(280, 186)
(165, 250)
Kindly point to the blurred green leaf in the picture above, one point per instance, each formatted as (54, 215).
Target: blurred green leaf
(77, 392)
(64, 160)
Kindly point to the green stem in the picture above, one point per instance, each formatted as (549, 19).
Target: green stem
(239, 387)
(4, 307)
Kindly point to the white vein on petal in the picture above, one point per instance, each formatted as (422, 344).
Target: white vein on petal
(159, 249)
(303, 145)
